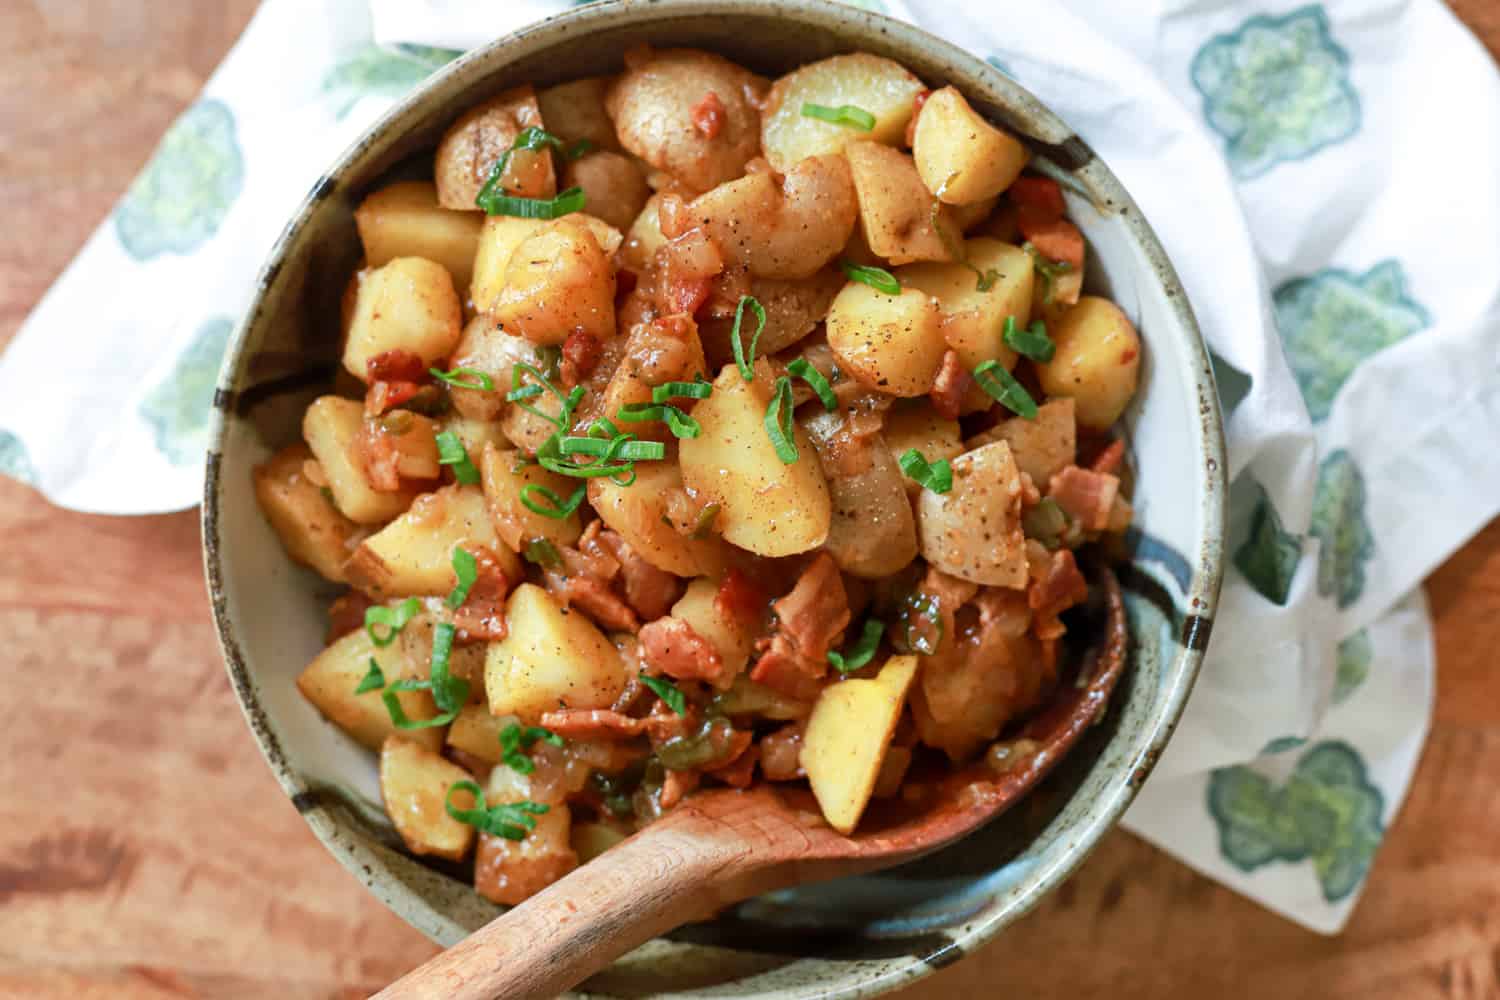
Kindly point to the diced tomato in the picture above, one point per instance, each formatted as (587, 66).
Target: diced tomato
(1039, 197)
(708, 115)
(580, 356)
(396, 366)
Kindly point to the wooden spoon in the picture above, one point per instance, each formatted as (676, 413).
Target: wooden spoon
(721, 847)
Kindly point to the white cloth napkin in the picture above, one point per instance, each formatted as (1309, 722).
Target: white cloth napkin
(1324, 179)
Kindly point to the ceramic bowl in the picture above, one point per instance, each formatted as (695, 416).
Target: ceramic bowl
(855, 937)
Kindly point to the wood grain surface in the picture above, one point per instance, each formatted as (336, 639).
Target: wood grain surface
(146, 852)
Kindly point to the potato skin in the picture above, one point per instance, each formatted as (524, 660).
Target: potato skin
(575, 110)
(873, 533)
(880, 86)
(901, 222)
(974, 531)
(892, 343)
(1097, 361)
(652, 104)
(961, 157)
(793, 310)
(480, 136)
(614, 188)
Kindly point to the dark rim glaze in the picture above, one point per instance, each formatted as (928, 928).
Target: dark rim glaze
(416, 122)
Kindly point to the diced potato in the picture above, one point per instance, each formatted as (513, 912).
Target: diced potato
(915, 424)
(471, 146)
(847, 737)
(329, 682)
(414, 785)
(559, 280)
(508, 871)
(638, 513)
(788, 230)
(405, 220)
(883, 88)
(310, 527)
(551, 659)
(476, 435)
(793, 310)
(873, 533)
(893, 343)
(892, 772)
(699, 607)
(414, 646)
(477, 733)
(517, 525)
(592, 839)
(902, 222)
(974, 530)
(486, 348)
(413, 443)
(963, 158)
(644, 237)
(575, 111)
(1041, 447)
(766, 506)
(525, 429)
(331, 427)
(971, 216)
(614, 188)
(498, 240)
(1097, 362)
(414, 553)
(407, 304)
(664, 350)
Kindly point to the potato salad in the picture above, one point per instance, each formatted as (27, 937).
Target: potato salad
(700, 431)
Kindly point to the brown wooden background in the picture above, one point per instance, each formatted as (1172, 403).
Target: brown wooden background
(145, 850)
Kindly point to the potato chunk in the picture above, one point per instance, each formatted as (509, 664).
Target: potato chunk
(873, 533)
(508, 871)
(963, 158)
(1041, 447)
(915, 424)
(483, 134)
(974, 530)
(847, 737)
(1097, 361)
(883, 88)
(699, 607)
(793, 310)
(414, 553)
(575, 111)
(901, 220)
(329, 682)
(477, 733)
(788, 231)
(505, 477)
(893, 343)
(487, 348)
(558, 280)
(310, 527)
(638, 513)
(332, 426)
(414, 785)
(552, 658)
(405, 220)
(614, 188)
(407, 304)
(766, 506)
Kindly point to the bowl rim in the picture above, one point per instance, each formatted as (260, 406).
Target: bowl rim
(1179, 673)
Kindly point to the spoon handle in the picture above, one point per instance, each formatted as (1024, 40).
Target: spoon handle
(649, 884)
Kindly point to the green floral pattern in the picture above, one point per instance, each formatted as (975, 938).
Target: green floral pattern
(1333, 320)
(177, 407)
(1338, 521)
(14, 462)
(179, 201)
(1269, 555)
(384, 72)
(1328, 812)
(1355, 654)
(1277, 89)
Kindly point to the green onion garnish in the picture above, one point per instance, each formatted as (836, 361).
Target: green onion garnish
(541, 552)
(623, 446)
(846, 114)
(1031, 342)
(1002, 386)
(465, 378)
(580, 149)
(706, 518)
(920, 605)
(877, 278)
(779, 422)
(985, 279)
(466, 570)
(393, 619)
(525, 392)
(493, 192)
(451, 451)
(571, 200)
(803, 369)
(511, 820)
(550, 456)
(520, 393)
(667, 692)
(1050, 270)
(373, 680)
(680, 424)
(515, 740)
(937, 476)
(863, 650)
(551, 505)
(742, 358)
(1046, 522)
(685, 390)
(398, 715)
(448, 691)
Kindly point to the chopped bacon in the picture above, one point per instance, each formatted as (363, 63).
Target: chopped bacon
(916, 111)
(384, 396)
(1041, 198)
(1057, 239)
(783, 671)
(1004, 609)
(1109, 460)
(808, 622)
(377, 453)
(740, 598)
(649, 590)
(592, 724)
(673, 647)
(948, 389)
(594, 597)
(949, 593)
(708, 115)
(677, 786)
(347, 614)
(396, 366)
(1058, 590)
(1086, 496)
(482, 615)
(580, 355)
(680, 294)
(781, 753)
(740, 771)
(664, 724)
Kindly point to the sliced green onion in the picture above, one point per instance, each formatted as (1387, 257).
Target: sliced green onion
(466, 571)
(686, 390)
(519, 394)
(743, 358)
(937, 476)
(920, 605)
(373, 680)
(1050, 270)
(623, 447)
(1031, 342)
(667, 692)
(398, 715)
(451, 451)
(525, 392)
(465, 378)
(549, 358)
(803, 369)
(569, 201)
(515, 740)
(706, 518)
(448, 691)
(493, 191)
(551, 458)
(551, 505)
(1045, 522)
(1003, 388)
(511, 820)
(541, 552)
(604, 427)
(580, 149)
(680, 424)
(877, 278)
(845, 114)
(393, 619)
(863, 650)
(778, 422)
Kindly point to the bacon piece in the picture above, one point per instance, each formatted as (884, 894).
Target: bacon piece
(383, 396)
(1110, 459)
(347, 614)
(594, 597)
(396, 366)
(677, 786)
(948, 389)
(592, 724)
(649, 590)
(1004, 609)
(1086, 496)
(673, 647)
(580, 356)
(663, 724)
(911, 123)
(1041, 198)
(1057, 240)
(783, 671)
(377, 453)
(739, 772)
(708, 115)
(809, 620)
(740, 598)
(1061, 587)
(781, 753)
(482, 615)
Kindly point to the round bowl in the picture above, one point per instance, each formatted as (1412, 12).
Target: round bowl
(854, 937)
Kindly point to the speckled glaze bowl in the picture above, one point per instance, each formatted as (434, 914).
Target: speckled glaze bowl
(852, 938)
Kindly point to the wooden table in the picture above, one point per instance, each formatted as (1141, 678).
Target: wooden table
(145, 850)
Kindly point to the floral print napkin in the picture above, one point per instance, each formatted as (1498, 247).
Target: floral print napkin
(1319, 176)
